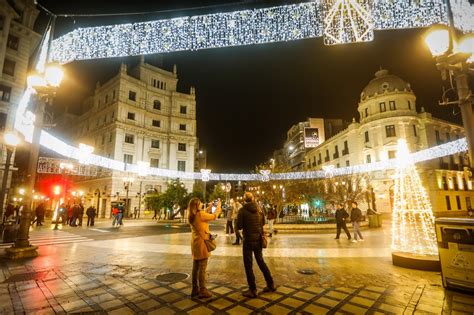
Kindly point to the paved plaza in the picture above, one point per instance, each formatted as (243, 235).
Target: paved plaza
(106, 270)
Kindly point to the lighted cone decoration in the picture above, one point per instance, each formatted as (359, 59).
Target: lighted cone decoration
(413, 228)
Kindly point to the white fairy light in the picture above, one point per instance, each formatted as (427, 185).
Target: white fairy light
(265, 175)
(84, 153)
(205, 175)
(339, 21)
(143, 168)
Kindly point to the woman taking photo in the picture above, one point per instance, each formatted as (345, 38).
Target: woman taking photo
(198, 218)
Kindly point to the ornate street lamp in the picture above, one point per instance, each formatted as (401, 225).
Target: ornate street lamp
(455, 59)
(127, 182)
(11, 140)
(44, 85)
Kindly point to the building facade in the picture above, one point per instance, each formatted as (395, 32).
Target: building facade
(18, 41)
(138, 115)
(388, 112)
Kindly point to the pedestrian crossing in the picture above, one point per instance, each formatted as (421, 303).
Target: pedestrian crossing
(51, 237)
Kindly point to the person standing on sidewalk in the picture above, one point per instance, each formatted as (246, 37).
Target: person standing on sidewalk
(237, 206)
(90, 216)
(271, 216)
(341, 216)
(228, 226)
(199, 218)
(356, 217)
(251, 220)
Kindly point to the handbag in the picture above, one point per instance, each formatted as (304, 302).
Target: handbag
(210, 242)
(264, 240)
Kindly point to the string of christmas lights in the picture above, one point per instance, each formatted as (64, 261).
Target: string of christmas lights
(339, 21)
(412, 217)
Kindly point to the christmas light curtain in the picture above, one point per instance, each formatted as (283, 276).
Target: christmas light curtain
(413, 228)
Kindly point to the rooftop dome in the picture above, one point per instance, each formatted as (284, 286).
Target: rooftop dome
(384, 82)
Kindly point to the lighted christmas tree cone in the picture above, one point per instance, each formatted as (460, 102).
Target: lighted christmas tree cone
(413, 232)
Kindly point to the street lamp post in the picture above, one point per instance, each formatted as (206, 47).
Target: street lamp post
(11, 141)
(456, 59)
(45, 86)
(127, 182)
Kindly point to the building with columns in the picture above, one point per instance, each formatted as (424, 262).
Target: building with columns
(388, 112)
(138, 115)
(18, 41)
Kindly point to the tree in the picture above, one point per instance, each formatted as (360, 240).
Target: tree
(218, 193)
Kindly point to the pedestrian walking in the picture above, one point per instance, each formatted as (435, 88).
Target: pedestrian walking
(251, 220)
(91, 213)
(199, 218)
(229, 229)
(271, 216)
(9, 211)
(121, 212)
(155, 215)
(70, 214)
(341, 216)
(115, 212)
(81, 213)
(237, 206)
(76, 211)
(39, 213)
(356, 218)
(136, 214)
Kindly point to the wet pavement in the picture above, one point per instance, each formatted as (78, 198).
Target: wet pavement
(114, 271)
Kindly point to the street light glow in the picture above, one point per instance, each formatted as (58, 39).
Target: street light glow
(11, 139)
(437, 40)
(54, 75)
(466, 45)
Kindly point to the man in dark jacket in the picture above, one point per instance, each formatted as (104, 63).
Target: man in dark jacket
(90, 212)
(251, 220)
(356, 217)
(341, 215)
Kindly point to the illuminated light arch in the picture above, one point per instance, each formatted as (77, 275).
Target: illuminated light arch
(246, 27)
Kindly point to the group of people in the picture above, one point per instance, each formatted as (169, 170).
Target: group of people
(249, 219)
(355, 217)
(73, 215)
(117, 215)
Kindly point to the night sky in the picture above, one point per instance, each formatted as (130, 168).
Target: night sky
(248, 97)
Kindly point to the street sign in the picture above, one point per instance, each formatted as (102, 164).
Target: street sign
(52, 166)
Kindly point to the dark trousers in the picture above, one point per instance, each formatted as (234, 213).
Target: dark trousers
(255, 248)
(90, 221)
(228, 228)
(238, 237)
(199, 274)
(342, 225)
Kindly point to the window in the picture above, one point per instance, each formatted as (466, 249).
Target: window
(414, 131)
(445, 183)
(132, 96)
(468, 203)
(129, 138)
(346, 148)
(448, 203)
(131, 116)
(9, 67)
(382, 107)
(390, 131)
(391, 154)
(106, 98)
(157, 105)
(348, 163)
(458, 202)
(128, 158)
(338, 165)
(3, 121)
(182, 127)
(2, 22)
(13, 42)
(111, 137)
(5, 92)
(319, 160)
(438, 138)
(336, 152)
(156, 123)
(366, 136)
(113, 115)
(182, 147)
(409, 105)
(366, 112)
(448, 136)
(392, 105)
(155, 144)
(368, 159)
(103, 139)
(183, 109)
(113, 95)
(182, 166)
(154, 162)
(326, 159)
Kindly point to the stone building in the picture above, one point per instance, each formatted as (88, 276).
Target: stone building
(388, 112)
(18, 41)
(138, 115)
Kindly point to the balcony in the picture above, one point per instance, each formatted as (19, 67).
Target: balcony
(326, 159)
(345, 152)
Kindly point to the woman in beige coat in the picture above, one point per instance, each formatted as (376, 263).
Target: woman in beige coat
(198, 219)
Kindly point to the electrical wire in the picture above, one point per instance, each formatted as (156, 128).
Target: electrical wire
(92, 15)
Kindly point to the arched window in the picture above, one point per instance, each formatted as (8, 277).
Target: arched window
(157, 104)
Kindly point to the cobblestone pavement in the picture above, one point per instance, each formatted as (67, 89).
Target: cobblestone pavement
(118, 276)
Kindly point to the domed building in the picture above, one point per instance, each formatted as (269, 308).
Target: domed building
(388, 112)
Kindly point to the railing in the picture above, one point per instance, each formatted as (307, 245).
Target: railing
(299, 219)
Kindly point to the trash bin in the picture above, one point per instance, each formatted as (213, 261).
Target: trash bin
(375, 220)
(10, 230)
(456, 252)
